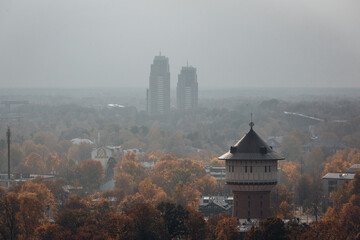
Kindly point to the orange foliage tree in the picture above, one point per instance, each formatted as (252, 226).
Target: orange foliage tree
(91, 174)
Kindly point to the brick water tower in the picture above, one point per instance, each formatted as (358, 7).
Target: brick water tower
(251, 173)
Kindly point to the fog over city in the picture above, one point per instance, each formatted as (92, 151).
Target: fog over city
(111, 43)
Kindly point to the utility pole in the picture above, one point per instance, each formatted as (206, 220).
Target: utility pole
(8, 134)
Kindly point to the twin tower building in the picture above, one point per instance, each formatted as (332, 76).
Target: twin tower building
(158, 94)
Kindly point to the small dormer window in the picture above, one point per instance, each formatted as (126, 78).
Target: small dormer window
(263, 150)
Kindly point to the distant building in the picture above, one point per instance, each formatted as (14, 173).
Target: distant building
(137, 151)
(187, 89)
(210, 206)
(81, 140)
(217, 172)
(103, 154)
(158, 95)
(251, 173)
(331, 182)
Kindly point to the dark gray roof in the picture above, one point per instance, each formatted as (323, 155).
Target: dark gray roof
(251, 147)
(339, 176)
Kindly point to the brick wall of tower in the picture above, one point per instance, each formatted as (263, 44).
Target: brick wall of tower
(251, 205)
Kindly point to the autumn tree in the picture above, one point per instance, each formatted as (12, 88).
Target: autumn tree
(324, 230)
(148, 221)
(41, 192)
(349, 217)
(34, 163)
(52, 231)
(29, 146)
(206, 185)
(118, 226)
(129, 173)
(9, 208)
(269, 229)
(212, 223)
(46, 138)
(285, 211)
(80, 152)
(30, 214)
(91, 174)
(73, 214)
(227, 228)
(336, 165)
(152, 192)
(278, 195)
(313, 202)
(55, 187)
(186, 195)
(290, 173)
(51, 163)
(314, 161)
(196, 226)
(131, 200)
(174, 219)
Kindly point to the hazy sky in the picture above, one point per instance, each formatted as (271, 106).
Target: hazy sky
(232, 43)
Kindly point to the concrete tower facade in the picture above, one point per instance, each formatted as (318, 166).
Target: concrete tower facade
(251, 173)
(187, 89)
(159, 87)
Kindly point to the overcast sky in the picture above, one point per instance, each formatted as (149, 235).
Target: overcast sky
(232, 43)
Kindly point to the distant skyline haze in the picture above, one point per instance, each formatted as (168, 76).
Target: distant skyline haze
(110, 43)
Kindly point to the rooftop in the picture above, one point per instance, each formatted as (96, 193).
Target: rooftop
(344, 176)
(251, 147)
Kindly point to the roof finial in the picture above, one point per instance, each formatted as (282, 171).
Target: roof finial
(251, 123)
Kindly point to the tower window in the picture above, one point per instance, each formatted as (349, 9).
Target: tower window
(261, 204)
(232, 168)
(248, 214)
(229, 168)
(269, 168)
(251, 169)
(246, 169)
(248, 203)
(265, 168)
